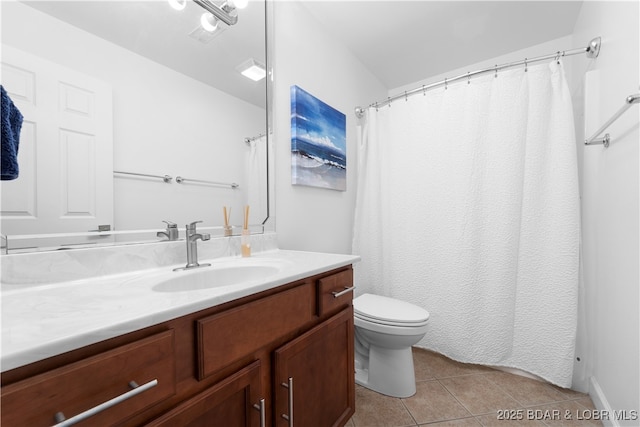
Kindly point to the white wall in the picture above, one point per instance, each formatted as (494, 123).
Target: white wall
(164, 123)
(609, 185)
(307, 55)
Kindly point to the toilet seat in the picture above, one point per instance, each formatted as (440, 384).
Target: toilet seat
(388, 311)
(390, 323)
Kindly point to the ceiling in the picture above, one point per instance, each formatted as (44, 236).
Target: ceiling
(153, 29)
(400, 42)
(403, 42)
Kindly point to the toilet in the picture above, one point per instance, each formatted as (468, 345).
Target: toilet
(385, 330)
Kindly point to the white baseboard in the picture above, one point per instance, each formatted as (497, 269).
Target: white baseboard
(601, 403)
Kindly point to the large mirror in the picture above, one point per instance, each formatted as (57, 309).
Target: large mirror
(134, 114)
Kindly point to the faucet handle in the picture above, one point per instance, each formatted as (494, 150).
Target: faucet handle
(171, 224)
(192, 226)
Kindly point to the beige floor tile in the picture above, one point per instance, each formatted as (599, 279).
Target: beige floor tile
(479, 395)
(422, 367)
(464, 422)
(567, 413)
(570, 394)
(440, 366)
(448, 392)
(586, 402)
(377, 410)
(432, 402)
(526, 391)
(516, 419)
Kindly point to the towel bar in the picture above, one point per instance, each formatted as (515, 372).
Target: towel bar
(181, 180)
(629, 101)
(165, 178)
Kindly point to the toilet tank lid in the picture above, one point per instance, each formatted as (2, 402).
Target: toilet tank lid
(389, 309)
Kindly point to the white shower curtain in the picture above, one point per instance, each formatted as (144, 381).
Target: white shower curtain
(468, 206)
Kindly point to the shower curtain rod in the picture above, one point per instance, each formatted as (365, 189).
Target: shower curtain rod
(592, 51)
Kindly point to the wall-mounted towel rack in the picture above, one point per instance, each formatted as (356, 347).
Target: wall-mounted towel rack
(248, 139)
(165, 178)
(182, 180)
(629, 101)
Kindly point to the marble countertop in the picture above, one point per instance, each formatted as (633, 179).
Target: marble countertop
(49, 319)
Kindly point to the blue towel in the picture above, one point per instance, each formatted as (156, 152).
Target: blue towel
(11, 123)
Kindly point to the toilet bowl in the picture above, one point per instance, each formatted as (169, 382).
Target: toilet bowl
(385, 330)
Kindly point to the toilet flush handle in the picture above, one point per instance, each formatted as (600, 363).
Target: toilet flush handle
(345, 291)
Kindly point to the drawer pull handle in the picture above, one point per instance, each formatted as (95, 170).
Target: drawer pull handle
(263, 417)
(345, 291)
(61, 421)
(290, 416)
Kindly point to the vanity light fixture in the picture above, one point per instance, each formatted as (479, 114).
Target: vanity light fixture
(225, 13)
(252, 69)
(209, 22)
(178, 4)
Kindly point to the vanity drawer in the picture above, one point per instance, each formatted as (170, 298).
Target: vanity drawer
(228, 336)
(335, 291)
(81, 386)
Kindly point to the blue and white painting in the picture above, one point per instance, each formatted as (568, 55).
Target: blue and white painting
(318, 143)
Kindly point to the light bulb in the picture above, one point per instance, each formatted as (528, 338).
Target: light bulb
(209, 22)
(178, 4)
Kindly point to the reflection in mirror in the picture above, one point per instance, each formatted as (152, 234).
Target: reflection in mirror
(134, 114)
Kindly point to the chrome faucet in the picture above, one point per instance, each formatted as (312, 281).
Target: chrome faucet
(171, 233)
(192, 246)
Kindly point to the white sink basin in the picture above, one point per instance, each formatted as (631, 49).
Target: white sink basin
(214, 277)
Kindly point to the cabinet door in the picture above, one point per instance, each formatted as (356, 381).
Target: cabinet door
(233, 402)
(314, 375)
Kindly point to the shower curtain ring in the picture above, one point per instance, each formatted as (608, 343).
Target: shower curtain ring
(496, 76)
(468, 78)
(445, 83)
(406, 98)
(389, 101)
(526, 66)
(558, 58)
(424, 92)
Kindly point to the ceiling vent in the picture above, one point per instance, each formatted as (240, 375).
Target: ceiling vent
(204, 36)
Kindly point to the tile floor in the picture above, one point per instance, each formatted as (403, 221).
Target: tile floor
(450, 393)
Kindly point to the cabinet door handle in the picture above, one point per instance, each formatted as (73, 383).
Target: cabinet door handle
(290, 416)
(346, 290)
(62, 422)
(263, 417)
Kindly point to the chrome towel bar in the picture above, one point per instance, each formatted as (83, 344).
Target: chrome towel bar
(182, 180)
(165, 178)
(629, 101)
(179, 179)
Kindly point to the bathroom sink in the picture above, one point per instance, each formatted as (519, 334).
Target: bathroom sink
(214, 277)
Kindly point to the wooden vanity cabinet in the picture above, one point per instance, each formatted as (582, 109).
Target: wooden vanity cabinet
(248, 362)
(233, 402)
(310, 374)
(66, 392)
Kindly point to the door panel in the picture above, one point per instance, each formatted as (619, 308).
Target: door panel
(66, 149)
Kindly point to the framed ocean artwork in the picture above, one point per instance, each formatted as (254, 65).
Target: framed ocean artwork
(318, 143)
